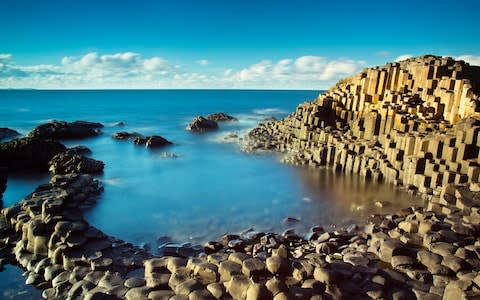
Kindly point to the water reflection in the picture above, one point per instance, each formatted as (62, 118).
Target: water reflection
(13, 287)
(349, 197)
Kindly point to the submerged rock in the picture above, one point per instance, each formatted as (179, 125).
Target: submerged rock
(66, 130)
(65, 163)
(28, 153)
(220, 117)
(201, 124)
(6, 133)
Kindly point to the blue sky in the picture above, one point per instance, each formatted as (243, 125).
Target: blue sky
(222, 44)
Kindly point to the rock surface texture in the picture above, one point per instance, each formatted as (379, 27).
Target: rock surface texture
(28, 153)
(414, 122)
(201, 124)
(220, 117)
(66, 130)
(6, 133)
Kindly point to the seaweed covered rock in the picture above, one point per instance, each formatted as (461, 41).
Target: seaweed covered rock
(201, 124)
(66, 130)
(68, 162)
(28, 153)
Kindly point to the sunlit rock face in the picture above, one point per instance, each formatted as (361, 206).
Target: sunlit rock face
(414, 122)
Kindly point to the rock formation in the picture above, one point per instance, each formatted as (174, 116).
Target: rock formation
(66, 130)
(413, 122)
(6, 133)
(200, 124)
(68, 162)
(220, 117)
(28, 153)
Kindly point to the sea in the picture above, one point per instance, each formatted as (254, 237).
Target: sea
(203, 185)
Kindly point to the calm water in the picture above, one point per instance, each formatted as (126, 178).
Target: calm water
(211, 187)
(201, 187)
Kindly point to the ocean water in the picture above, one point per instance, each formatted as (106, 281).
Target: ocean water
(202, 186)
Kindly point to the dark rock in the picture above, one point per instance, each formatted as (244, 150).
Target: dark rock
(6, 133)
(65, 163)
(28, 153)
(66, 130)
(80, 150)
(140, 141)
(220, 117)
(200, 124)
(123, 135)
(156, 141)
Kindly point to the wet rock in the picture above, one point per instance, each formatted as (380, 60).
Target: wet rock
(64, 163)
(200, 124)
(66, 130)
(7, 133)
(28, 154)
(123, 135)
(156, 141)
(218, 117)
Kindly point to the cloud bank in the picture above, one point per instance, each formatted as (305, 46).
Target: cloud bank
(132, 70)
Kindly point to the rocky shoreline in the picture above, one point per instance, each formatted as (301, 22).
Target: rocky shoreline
(413, 123)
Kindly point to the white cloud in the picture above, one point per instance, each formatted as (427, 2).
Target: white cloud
(471, 59)
(156, 64)
(203, 62)
(403, 57)
(303, 72)
(131, 70)
(5, 56)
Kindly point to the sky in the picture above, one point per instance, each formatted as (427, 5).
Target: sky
(271, 44)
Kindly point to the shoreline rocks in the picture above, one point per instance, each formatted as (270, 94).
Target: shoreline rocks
(220, 117)
(64, 163)
(200, 124)
(6, 133)
(66, 130)
(412, 122)
(154, 141)
(28, 153)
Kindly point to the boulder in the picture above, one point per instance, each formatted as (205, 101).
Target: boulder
(6, 133)
(64, 163)
(200, 124)
(123, 135)
(28, 153)
(66, 130)
(220, 117)
(156, 141)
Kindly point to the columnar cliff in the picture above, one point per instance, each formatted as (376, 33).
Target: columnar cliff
(413, 122)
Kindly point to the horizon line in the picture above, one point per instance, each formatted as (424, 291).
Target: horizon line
(159, 89)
